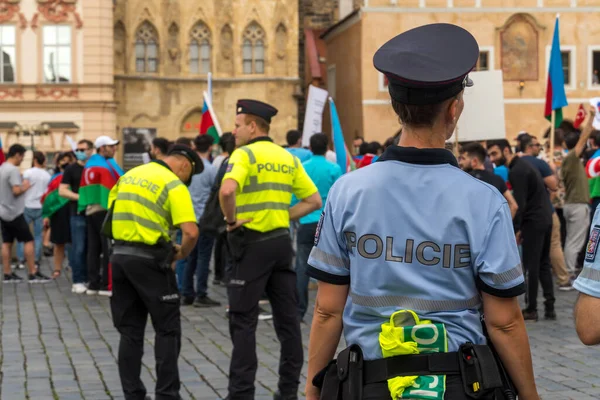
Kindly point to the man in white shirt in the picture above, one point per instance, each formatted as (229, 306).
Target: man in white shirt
(39, 178)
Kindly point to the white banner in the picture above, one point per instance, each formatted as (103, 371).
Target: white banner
(483, 115)
(313, 117)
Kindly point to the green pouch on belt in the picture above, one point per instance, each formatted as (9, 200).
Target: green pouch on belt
(406, 334)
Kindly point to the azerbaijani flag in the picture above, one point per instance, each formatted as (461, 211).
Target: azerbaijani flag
(2, 158)
(51, 201)
(209, 125)
(98, 177)
(556, 98)
(342, 154)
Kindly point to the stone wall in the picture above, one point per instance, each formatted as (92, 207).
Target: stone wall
(171, 97)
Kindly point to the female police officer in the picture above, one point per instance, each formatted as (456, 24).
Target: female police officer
(412, 281)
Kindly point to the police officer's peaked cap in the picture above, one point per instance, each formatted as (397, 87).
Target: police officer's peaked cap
(191, 155)
(255, 107)
(428, 64)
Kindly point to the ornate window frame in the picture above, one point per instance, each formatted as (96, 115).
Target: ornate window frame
(200, 37)
(254, 39)
(146, 35)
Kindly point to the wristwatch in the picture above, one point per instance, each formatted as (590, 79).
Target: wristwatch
(229, 223)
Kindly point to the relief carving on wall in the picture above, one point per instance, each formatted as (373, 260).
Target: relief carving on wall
(57, 11)
(519, 39)
(56, 93)
(225, 64)
(8, 10)
(173, 68)
(16, 93)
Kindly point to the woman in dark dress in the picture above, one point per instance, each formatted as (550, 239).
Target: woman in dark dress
(56, 213)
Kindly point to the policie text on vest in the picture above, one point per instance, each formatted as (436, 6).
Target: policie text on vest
(428, 253)
(272, 167)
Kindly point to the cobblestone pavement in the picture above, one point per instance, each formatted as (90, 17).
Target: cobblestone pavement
(58, 345)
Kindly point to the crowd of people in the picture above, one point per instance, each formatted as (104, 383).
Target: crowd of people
(54, 218)
(550, 190)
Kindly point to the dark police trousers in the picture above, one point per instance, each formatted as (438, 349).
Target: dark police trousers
(141, 287)
(263, 266)
(536, 263)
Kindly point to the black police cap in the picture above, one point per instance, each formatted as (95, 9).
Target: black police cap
(428, 64)
(191, 155)
(255, 107)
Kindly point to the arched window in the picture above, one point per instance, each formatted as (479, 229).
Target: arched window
(200, 49)
(146, 49)
(253, 50)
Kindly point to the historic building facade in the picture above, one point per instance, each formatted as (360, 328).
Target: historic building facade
(56, 72)
(164, 50)
(514, 37)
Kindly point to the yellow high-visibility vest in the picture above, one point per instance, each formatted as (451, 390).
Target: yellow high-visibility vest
(267, 176)
(150, 200)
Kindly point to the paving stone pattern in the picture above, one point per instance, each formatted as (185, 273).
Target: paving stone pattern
(58, 345)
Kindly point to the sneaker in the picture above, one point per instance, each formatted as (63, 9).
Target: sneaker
(20, 265)
(78, 288)
(48, 251)
(550, 315)
(38, 277)
(12, 278)
(530, 315)
(187, 300)
(263, 302)
(205, 301)
(91, 292)
(217, 282)
(279, 396)
(107, 293)
(567, 287)
(264, 315)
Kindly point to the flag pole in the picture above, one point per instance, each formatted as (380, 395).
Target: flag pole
(552, 129)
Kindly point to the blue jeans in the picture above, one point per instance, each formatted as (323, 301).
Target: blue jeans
(33, 215)
(199, 262)
(304, 244)
(78, 251)
(179, 264)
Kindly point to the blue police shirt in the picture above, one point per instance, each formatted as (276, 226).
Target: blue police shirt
(588, 281)
(302, 153)
(413, 231)
(323, 173)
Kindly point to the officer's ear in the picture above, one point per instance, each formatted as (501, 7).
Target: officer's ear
(454, 109)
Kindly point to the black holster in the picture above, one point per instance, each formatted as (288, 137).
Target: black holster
(342, 379)
(236, 243)
(479, 370)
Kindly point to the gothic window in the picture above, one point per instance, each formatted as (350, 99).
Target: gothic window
(200, 49)
(253, 50)
(146, 49)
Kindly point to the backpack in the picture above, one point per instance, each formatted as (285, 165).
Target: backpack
(212, 221)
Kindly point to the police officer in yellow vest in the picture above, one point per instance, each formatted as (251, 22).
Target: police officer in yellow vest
(148, 201)
(255, 196)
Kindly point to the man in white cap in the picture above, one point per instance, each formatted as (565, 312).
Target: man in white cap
(100, 174)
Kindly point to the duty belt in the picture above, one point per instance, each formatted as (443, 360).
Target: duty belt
(139, 250)
(409, 365)
(253, 236)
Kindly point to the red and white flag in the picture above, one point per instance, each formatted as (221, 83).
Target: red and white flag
(580, 117)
